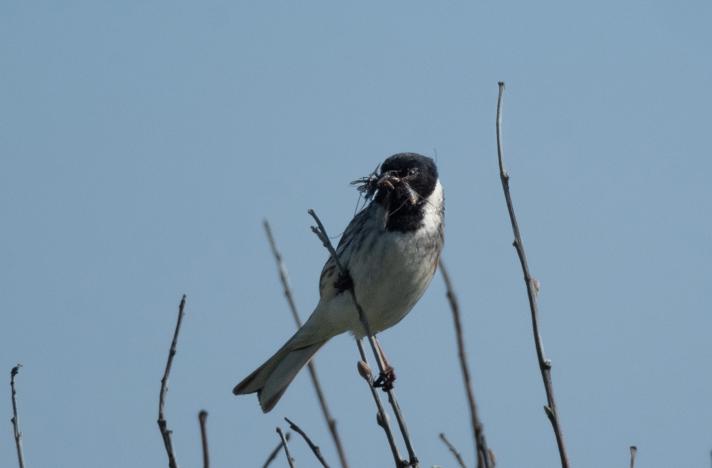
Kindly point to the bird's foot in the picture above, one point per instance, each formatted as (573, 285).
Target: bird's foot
(385, 379)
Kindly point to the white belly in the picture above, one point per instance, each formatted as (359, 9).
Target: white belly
(405, 266)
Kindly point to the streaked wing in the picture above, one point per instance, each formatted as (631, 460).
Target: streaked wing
(330, 272)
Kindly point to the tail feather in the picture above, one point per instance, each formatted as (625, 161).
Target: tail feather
(272, 378)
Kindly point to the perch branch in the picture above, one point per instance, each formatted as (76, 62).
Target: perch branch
(203, 418)
(481, 450)
(314, 448)
(284, 278)
(453, 450)
(273, 454)
(532, 290)
(633, 453)
(15, 420)
(290, 460)
(320, 231)
(162, 424)
(381, 416)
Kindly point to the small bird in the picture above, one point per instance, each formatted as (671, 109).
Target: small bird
(390, 249)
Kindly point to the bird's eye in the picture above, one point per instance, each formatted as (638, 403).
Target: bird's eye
(412, 171)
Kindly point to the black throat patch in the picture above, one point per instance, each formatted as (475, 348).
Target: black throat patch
(414, 178)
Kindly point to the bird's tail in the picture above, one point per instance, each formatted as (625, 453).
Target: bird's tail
(272, 378)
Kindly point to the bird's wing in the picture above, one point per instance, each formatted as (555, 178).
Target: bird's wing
(330, 275)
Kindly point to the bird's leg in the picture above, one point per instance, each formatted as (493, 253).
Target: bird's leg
(388, 375)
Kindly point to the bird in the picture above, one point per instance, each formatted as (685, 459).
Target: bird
(390, 250)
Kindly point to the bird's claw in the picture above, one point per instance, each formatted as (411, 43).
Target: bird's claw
(385, 379)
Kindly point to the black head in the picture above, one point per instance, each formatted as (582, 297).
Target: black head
(418, 172)
(402, 185)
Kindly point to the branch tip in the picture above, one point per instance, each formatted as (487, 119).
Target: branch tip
(162, 423)
(455, 453)
(202, 419)
(633, 453)
(15, 418)
(544, 364)
(314, 448)
(290, 460)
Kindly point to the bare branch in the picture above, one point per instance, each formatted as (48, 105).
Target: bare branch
(532, 290)
(633, 453)
(453, 450)
(381, 417)
(273, 454)
(284, 278)
(15, 420)
(481, 450)
(314, 448)
(290, 460)
(320, 232)
(202, 419)
(162, 424)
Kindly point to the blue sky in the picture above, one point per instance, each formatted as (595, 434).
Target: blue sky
(142, 144)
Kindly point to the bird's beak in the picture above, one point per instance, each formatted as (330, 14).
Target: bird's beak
(386, 181)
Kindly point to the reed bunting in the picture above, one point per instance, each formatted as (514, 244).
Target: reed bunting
(391, 250)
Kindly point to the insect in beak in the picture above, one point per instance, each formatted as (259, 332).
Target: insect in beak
(386, 181)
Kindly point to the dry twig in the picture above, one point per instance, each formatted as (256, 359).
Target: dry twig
(320, 232)
(162, 424)
(633, 453)
(202, 419)
(15, 420)
(273, 454)
(314, 448)
(453, 450)
(481, 450)
(381, 416)
(290, 460)
(284, 278)
(532, 288)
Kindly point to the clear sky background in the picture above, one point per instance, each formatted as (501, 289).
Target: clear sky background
(142, 144)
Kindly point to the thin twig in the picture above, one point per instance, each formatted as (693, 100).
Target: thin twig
(481, 450)
(290, 460)
(532, 289)
(273, 454)
(162, 424)
(381, 416)
(320, 231)
(314, 448)
(15, 420)
(203, 418)
(453, 450)
(633, 453)
(284, 278)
